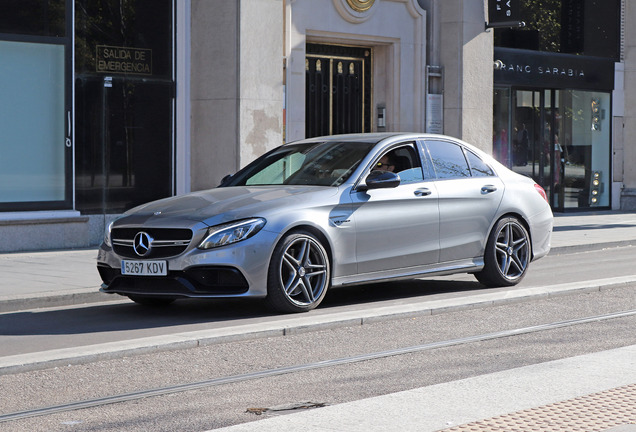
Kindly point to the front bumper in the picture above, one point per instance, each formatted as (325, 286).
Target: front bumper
(237, 270)
(200, 281)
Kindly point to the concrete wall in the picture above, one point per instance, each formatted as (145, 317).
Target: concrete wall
(236, 85)
(466, 54)
(42, 230)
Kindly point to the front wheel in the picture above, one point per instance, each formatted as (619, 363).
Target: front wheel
(507, 255)
(299, 274)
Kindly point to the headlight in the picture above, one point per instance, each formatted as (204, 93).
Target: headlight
(222, 235)
(107, 239)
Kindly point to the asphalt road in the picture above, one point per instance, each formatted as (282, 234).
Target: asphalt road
(66, 327)
(239, 400)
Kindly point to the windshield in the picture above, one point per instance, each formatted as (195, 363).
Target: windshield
(321, 164)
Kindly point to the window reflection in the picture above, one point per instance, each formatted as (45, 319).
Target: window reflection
(33, 17)
(448, 160)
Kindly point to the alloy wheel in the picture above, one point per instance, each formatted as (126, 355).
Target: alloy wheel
(304, 271)
(512, 250)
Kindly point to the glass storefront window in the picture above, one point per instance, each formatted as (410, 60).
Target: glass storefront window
(560, 138)
(584, 147)
(501, 126)
(32, 121)
(111, 35)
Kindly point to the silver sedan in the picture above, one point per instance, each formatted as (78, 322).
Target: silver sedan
(332, 211)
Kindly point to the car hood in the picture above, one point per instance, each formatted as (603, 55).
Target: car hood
(215, 206)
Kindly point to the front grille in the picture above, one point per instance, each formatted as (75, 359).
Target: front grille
(167, 242)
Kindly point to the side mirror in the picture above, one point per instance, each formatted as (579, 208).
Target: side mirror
(382, 180)
(225, 179)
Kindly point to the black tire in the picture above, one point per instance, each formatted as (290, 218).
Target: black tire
(299, 274)
(151, 301)
(508, 254)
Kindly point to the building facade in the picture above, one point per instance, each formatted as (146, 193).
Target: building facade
(108, 104)
(554, 82)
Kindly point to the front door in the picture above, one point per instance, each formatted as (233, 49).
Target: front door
(338, 90)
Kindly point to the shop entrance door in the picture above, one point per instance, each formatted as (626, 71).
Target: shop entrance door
(529, 150)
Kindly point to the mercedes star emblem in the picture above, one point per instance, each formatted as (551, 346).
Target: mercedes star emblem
(142, 243)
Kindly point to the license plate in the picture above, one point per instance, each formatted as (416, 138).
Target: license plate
(144, 268)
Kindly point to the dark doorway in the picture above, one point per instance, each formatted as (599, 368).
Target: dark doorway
(337, 90)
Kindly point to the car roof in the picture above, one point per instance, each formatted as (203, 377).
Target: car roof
(376, 137)
(373, 137)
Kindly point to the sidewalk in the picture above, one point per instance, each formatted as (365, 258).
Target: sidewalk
(58, 278)
(593, 392)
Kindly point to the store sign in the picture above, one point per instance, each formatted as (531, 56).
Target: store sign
(123, 60)
(539, 69)
(435, 113)
(503, 11)
(572, 26)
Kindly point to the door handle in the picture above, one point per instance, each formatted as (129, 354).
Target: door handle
(488, 189)
(422, 192)
(67, 142)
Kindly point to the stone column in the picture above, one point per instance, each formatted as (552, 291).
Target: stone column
(466, 54)
(236, 85)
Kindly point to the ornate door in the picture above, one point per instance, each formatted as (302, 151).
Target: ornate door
(338, 90)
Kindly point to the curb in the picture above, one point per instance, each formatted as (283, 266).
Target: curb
(288, 326)
(74, 297)
(563, 250)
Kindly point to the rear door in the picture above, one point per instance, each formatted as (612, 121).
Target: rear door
(469, 196)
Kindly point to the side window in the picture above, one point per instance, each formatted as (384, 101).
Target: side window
(478, 167)
(448, 160)
(403, 161)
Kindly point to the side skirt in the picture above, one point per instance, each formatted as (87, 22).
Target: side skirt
(442, 269)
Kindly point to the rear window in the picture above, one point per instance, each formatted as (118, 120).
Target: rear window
(448, 160)
(478, 167)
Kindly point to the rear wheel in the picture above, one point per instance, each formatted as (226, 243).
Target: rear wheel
(507, 255)
(299, 274)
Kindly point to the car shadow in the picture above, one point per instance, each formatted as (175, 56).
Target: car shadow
(97, 318)
(188, 314)
(403, 290)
